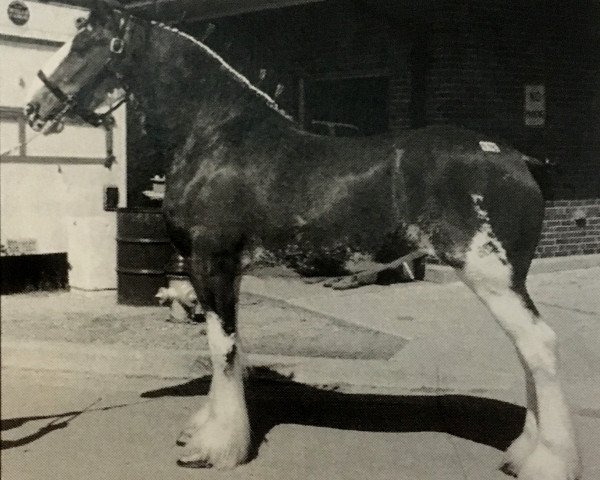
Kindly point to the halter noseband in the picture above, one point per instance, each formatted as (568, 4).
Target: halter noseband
(70, 102)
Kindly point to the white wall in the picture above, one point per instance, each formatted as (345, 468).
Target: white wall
(21, 59)
(55, 193)
(46, 22)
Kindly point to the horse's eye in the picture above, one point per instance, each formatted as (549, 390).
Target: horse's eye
(80, 43)
(80, 23)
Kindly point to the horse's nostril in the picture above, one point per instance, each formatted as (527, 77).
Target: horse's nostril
(30, 108)
(37, 124)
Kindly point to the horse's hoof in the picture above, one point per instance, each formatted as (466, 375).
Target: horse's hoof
(221, 445)
(509, 469)
(547, 464)
(195, 423)
(332, 281)
(313, 280)
(517, 453)
(184, 437)
(182, 440)
(192, 462)
(346, 284)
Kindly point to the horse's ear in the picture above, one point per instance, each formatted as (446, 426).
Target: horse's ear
(115, 5)
(100, 11)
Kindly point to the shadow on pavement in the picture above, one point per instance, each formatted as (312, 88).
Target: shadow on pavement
(274, 399)
(46, 429)
(58, 422)
(10, 423)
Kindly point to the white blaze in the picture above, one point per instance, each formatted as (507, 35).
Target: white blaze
(49, 68)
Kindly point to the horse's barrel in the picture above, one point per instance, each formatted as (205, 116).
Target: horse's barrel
(143, 250)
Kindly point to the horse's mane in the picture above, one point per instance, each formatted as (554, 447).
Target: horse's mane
(237, 76)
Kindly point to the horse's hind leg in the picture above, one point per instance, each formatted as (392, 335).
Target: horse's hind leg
(546, 449)
(219, 433)
(518, 451)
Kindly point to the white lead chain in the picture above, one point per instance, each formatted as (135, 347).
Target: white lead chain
(37, 134)
(19, 145)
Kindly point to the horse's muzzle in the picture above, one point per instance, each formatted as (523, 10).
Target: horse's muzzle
(33, 119)
(30, 109)
(38, 124)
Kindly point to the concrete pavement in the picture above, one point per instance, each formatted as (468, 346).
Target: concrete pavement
(454, 344)
(129, 433)
(454, 348)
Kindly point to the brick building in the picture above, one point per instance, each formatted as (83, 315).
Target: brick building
(525, 72)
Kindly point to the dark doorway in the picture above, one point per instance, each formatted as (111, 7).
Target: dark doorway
(359, 102)
(27, 273)
(419, 62)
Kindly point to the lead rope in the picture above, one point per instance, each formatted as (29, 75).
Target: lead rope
(34, 136)
(7, 153)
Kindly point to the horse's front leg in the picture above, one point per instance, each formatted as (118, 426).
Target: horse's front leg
(218, 435)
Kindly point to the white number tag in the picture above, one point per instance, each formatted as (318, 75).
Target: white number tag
(489, 147)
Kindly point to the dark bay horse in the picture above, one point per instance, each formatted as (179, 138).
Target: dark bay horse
(244, 176)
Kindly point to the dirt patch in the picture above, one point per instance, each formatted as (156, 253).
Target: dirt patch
(266, 326)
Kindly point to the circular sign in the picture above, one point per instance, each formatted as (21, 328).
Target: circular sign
(18, 12)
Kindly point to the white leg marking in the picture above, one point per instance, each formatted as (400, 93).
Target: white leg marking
(195, 423)
(219, 434)
(516, 454)
(554, 454)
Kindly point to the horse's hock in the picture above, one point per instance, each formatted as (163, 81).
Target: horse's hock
(143, 250)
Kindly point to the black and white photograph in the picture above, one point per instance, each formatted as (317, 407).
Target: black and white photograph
(299, 239)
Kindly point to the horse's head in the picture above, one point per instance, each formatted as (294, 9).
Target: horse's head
(81, 76)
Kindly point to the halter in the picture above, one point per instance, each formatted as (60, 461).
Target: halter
(71, 102)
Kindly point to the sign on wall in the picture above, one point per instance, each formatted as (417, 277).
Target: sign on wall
(535, 105)
(18, 12)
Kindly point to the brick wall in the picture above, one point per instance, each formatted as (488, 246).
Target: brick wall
(482, 54)
(462, 62)
(573, 84)
(571, 227)
(451, 61)
(333, 39)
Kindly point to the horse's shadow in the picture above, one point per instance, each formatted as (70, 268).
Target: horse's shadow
(57, 422)
(274, 399)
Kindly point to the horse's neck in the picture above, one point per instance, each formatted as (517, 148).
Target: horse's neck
(182, 87)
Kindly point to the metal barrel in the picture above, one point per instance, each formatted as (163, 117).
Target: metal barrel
(143, 250)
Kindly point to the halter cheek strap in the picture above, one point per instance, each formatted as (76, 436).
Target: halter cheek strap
(55, 89)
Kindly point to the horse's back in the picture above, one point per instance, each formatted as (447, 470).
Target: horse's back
(455, 181)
